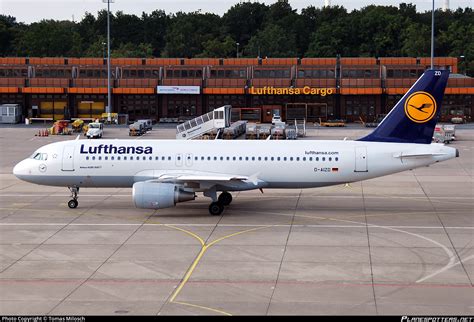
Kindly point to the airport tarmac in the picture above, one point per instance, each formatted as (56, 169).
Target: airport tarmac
(400, 244)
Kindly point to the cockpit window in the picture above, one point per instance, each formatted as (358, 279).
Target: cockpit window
(40, 156)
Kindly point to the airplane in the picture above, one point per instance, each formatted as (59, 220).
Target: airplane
(163, 173)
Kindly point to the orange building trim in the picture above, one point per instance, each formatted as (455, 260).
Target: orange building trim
(9, 90)
(87, 90)
(42, 90)
(360, 91)
(223, 91)
(134, 90)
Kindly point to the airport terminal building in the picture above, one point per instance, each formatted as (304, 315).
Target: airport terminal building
(175, 89)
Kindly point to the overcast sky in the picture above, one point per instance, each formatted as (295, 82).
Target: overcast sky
(35, 10)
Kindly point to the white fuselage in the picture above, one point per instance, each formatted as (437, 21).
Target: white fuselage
(268, 164)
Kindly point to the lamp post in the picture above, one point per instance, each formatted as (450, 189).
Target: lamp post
(463, 64)
(432, 34)
(237, 49)
(108, 110)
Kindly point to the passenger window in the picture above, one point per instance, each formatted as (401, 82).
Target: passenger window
(304, 158)
(271, 158)
(208, 158)
(246, 158)
(144, 158)
(317, 158)
(222, 158)
(234, 158)
(151, 158)
(266, 158)
(337, 159)
(87, 158)
(93, 158)
(291, 158)
(297, 158)
(310, 158)
(112, 158)
(278, 158)
(240, 158)
(157, 158)
(44, 156)
(202, 158)
(324, 159)
(253, 158)
(259, 158)
(284, 158)
(131, 158)
(330, 159)
(118, 158)
(125, 158)
(215, 158)
(228, 158)
(169, 158)
(106, 158)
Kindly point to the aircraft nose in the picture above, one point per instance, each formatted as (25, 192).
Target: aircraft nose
(21, 169)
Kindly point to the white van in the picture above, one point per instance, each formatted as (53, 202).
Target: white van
(96, 130)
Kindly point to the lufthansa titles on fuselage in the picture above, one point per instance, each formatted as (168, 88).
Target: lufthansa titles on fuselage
(112, 149)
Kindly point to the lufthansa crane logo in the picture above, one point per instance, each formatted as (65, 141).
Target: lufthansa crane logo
(420, 107)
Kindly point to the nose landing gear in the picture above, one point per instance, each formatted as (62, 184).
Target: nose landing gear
(73, 202)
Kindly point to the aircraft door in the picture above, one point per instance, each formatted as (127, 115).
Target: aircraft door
(361, 159)
(189, 159)
(68, 158)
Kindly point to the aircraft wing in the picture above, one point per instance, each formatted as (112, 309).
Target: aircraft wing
(213, 177)
(201, 179)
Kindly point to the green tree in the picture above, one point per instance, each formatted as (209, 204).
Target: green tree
(215, 48)
(155, 27)
(243, 20)
(416, 40)
(131, 50)
(273, 41)
(188, 32)
(47, 38)
(7, 34)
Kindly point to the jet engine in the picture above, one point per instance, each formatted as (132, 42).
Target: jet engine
(152, 195)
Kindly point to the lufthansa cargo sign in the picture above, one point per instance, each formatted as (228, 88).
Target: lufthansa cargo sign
(270, 90)
(194, 90)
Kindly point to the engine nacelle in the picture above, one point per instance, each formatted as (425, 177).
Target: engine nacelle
(159, 195)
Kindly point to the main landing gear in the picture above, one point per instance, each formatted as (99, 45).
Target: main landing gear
(217, 207)
(73, 202)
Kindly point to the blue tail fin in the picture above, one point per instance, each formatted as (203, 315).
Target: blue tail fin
(414, 117)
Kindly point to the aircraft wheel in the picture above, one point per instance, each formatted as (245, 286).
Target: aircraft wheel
(225, 198)
(216, 208)
(72, 203)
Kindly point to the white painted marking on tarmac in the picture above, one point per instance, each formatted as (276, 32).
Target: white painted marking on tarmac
(445, 268)
(236, 225)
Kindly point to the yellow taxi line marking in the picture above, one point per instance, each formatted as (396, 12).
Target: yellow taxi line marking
(203, 307)
(186, 232)
(204, 248)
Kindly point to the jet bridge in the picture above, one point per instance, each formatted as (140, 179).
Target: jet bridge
(213, 121)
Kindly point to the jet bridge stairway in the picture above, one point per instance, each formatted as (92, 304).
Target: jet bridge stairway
(213, 121)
